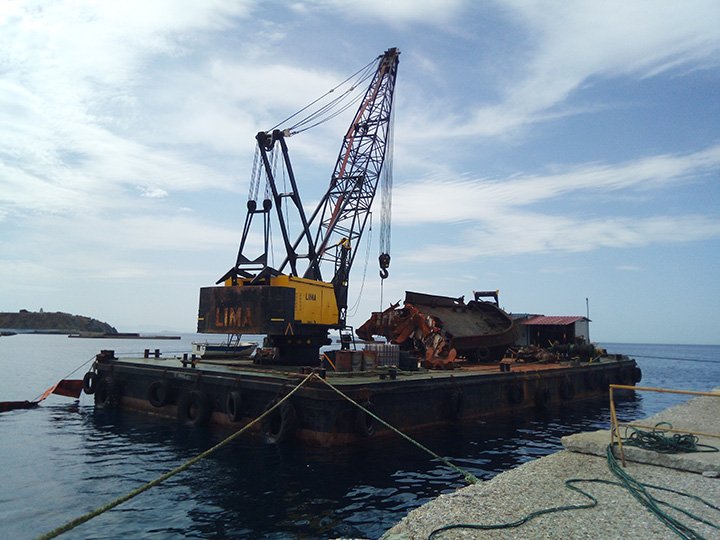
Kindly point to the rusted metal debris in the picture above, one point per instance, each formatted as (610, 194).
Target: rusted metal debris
(414, 331)
(556, 352)
(439, 329)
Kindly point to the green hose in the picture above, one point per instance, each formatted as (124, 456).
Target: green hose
(654, 440)
(657, 441)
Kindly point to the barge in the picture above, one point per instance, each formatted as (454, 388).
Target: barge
(439, 369)
(234, 394)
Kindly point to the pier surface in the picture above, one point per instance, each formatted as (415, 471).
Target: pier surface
(540, 484)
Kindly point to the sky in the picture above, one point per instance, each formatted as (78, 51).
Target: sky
(554, 151)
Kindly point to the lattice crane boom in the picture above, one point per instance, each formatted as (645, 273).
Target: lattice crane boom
(295, 313)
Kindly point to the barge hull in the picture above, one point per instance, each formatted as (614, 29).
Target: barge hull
(234, 395)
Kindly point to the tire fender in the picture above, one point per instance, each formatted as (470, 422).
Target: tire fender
(233, 405)
(194, 408)
(364, 423)
(159, 393)
(90, 381)
(107, 393)
(282, 424)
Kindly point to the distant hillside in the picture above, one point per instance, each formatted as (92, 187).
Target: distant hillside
(53, 322)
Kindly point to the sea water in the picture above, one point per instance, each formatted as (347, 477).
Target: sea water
(65, 458)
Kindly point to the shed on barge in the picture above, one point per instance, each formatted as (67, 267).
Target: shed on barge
(544, 330)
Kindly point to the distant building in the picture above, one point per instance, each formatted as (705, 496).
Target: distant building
(544, 330)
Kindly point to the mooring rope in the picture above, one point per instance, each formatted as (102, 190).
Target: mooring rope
(134, 493)
(467, 476)
(681, 359)
(73, 371)
(637, 489)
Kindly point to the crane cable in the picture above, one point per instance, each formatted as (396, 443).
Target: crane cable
(386, 182)
(329, 117)
(354, 309)
(255, 177)
(365, 74)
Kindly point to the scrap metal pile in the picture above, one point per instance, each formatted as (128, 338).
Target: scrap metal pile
(439, 329)
(413, 331)
(579, 351)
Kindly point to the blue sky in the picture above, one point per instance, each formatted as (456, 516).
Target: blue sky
(556, 151)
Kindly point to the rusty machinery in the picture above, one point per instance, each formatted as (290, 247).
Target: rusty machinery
(295, 310)
(437, 329)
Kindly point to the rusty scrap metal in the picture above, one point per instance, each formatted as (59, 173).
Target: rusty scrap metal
(413, 331)
(439, 329)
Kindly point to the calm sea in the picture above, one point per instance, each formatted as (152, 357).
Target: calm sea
(65, 458)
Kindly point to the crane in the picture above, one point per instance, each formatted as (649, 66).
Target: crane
(294, 310)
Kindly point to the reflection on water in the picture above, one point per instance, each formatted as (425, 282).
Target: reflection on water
(66, 458)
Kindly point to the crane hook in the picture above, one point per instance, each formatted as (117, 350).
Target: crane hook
(384, 260)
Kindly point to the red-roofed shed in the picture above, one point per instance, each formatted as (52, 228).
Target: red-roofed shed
(546, 320)
(545, 329)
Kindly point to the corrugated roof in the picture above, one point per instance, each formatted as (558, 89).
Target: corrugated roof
(546, 320)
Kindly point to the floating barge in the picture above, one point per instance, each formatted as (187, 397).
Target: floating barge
(235, 393)
(296, 305)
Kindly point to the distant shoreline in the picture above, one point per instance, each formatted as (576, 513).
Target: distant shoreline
(16, 331)
(120, 335)
(46, 322)
(85, 335)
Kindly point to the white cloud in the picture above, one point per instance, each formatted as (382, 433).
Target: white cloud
(126, 247)
(532, 233)
(568, 47)
(485, 199)
(398, 12)
(68, 95)
(504, 217)
(152, 192)
(127, 129)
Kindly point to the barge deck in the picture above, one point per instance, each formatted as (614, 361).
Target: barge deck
(235, 393)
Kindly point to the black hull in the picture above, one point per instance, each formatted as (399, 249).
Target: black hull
(316, 414)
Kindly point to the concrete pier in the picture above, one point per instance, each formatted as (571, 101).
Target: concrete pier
(539, 484)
